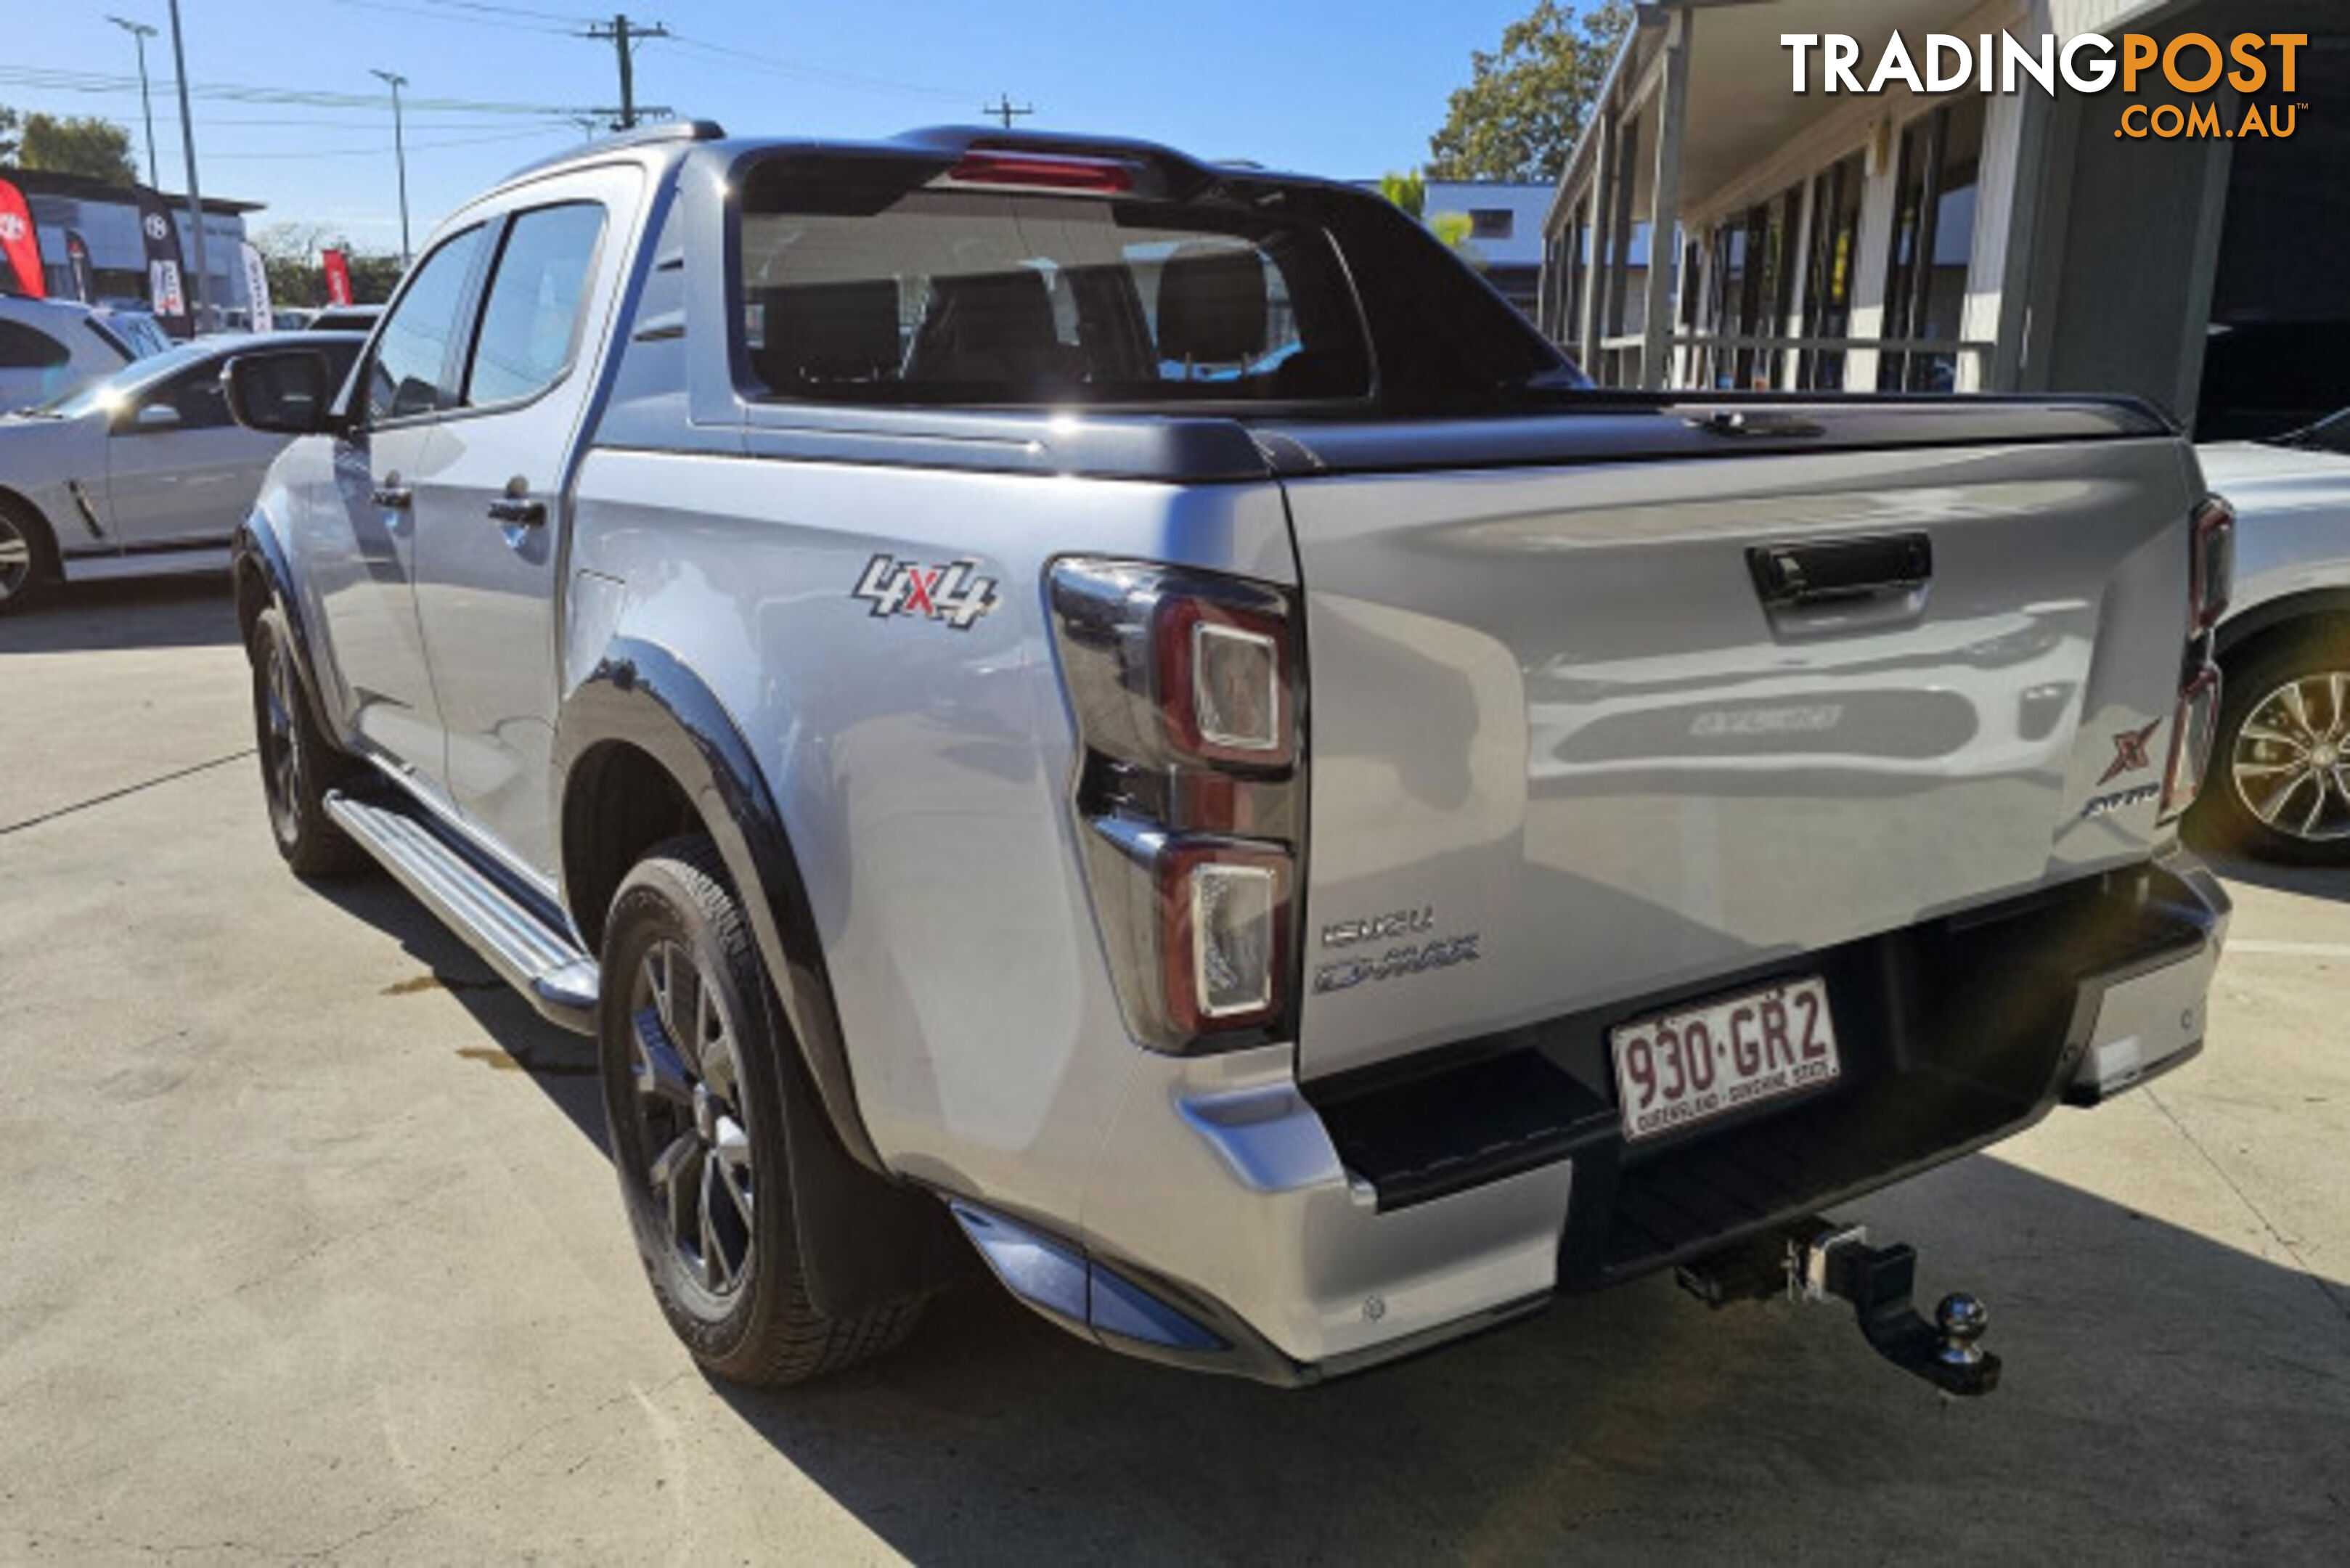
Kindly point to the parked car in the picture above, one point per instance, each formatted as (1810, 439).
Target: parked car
(346, 318)
(2284, 744)
(51, 347)
(1298, 856)
(141, 472)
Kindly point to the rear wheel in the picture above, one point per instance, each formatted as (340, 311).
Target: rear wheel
(298, 765)
(2280, 784)
(692, 1049)
(28, 556)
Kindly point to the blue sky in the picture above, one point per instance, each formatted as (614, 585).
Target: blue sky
(1317, 84)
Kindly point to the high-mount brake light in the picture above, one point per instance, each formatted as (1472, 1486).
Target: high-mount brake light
(1050, 171)
(1186, 689)
(2213, 576)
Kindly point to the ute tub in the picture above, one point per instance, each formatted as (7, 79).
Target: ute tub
(1239, 1222)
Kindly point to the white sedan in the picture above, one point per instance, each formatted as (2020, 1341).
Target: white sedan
(141, 472)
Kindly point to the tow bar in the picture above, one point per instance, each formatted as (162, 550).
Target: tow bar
(1818, 1260)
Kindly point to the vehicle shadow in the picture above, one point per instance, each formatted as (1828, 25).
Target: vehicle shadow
(2163, 1393)
(513, 1037)
(2311, 881)
(196, 610)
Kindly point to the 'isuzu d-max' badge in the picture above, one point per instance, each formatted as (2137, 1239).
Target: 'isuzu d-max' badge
(951, 593)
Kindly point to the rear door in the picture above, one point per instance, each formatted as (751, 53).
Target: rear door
(489, 510)
(1556, 714)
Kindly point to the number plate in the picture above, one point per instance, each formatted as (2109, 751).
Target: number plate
(1677, 1069)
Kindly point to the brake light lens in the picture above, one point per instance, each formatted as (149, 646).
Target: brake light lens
(1185, 689)
(2213, 575)
(1223, 683)
(1047, 172)
(1224, 907)
(2191, 731)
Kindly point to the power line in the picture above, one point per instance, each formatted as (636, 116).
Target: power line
(748, 59)
(237, 92)
(1004, 109)
(383, 147)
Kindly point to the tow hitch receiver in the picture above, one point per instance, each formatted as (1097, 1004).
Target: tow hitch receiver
(1817, 1261)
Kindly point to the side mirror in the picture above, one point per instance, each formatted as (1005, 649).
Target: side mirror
(155, 417)
(284, 391)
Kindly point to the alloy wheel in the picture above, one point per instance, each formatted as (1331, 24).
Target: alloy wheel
(688, 1077)
(2290, 763)
(15, 559)
(281, 756)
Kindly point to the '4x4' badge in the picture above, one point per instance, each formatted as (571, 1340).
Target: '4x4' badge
(952, 593)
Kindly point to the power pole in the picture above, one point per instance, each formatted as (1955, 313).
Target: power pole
(623, 35)
(1004, 109)
(141, 31)
(399, 152)
(188, 146)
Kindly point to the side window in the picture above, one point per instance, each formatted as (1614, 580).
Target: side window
(26, 347)
(530, 319)
(196, 396)
(408, 373)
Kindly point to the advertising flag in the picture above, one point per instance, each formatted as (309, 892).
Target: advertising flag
(338, 277)
(166, 291)
(85, 280)
(256, 289)
(20, 246)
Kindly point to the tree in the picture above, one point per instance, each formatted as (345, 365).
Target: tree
(8, 134)
(1523, 106)
(98, 148)
(289, 252)
(1408, 191)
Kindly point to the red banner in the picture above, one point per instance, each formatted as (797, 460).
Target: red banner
(20, 245)
(338, 277)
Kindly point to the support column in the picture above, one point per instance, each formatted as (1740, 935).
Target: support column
(1665, 207)
(1588, 307)
(1619, 232)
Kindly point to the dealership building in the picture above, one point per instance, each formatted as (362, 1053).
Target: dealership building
(1963, 241)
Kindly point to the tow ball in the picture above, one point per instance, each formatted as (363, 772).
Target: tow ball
(1818, 1261)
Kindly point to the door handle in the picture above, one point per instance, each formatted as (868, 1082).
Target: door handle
(518, 510)
(394, 495)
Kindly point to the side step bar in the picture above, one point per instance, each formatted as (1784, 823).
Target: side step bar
(528, 954)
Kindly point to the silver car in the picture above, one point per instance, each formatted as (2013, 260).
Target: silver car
(2284, 744)
(144, 472)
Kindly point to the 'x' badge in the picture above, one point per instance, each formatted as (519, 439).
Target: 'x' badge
(2129, 753)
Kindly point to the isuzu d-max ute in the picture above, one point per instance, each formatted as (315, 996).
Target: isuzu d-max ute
(1047, 700)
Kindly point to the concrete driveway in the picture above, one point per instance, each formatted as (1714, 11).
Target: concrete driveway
(310, 1249)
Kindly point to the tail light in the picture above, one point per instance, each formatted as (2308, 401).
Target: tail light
(2214, 577)
(1186, 690)
(2210, 578)
(2190, 743)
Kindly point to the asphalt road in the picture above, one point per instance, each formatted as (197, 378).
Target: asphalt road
(309, 1249)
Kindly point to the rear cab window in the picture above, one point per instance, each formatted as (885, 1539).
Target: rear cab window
(937, 294)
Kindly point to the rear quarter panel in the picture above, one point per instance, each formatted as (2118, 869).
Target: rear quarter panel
(922, 771)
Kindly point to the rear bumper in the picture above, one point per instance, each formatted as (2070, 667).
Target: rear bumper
(1242, 1222)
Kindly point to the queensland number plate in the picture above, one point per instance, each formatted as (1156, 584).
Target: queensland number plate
(1678, 1068)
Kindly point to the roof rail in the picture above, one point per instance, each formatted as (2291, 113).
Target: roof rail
(639, 136)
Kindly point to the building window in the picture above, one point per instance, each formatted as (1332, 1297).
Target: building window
(1933, 241)
(1827, 288)
(1492, 223)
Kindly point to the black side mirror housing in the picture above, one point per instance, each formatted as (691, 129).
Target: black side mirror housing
(285, 392)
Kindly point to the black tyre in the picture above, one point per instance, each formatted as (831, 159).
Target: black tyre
(693, 1048)
(2279, 786)
(28, 556)
(298, 764)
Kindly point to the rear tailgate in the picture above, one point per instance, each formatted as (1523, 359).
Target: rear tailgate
(1552, 712)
